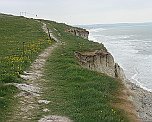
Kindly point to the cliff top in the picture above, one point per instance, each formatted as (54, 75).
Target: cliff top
(94, 53)
(70, 90)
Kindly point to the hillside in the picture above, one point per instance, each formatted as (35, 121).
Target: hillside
(67, 88)
(21, 40)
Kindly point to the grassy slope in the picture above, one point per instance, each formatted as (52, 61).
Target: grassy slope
(82, 95)
(13, 32)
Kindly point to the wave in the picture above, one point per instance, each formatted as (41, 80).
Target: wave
(136, 81)
(97, 30)
(117, 44)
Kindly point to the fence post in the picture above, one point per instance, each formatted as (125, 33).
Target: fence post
(23, 49)
(49, 33)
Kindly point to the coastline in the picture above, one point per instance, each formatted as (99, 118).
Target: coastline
(140, 98)
(142, 101)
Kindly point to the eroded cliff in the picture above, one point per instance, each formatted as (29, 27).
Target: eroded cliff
(101, 61)
(79, 32)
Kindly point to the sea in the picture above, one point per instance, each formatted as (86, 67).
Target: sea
(131, 46)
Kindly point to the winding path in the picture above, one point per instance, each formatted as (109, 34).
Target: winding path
(30, 95)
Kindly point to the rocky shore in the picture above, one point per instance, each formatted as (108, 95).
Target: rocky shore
(142, 100)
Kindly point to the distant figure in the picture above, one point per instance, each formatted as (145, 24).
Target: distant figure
(36, 15)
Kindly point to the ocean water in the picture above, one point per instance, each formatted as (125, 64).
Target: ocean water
(131, 46)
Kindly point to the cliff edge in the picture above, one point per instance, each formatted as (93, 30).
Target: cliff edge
(78, 32)
(100, 61)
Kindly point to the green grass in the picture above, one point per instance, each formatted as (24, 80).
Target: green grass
(21, 40)
(81, 94)
(76, 92)
(7, 101)
(16, 57)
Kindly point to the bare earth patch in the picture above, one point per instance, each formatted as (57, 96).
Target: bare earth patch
(53, 118)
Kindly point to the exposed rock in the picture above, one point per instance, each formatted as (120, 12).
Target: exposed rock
(101, 61)
(29, 89)
(46, 110)
(79, 32)
(142, 100)
(53, 118)
(44, 101)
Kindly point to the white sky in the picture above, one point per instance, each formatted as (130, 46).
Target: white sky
(82, 11)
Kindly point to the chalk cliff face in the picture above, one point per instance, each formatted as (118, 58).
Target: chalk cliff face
(79, 32)
(101, 61)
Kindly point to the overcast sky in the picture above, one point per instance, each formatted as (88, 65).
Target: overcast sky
(82, 11)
